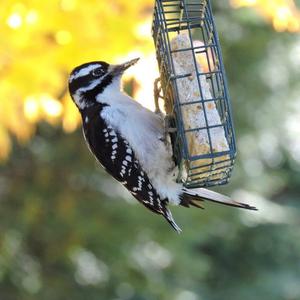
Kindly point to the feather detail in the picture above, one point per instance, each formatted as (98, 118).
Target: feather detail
(189, 196)
(168, 216)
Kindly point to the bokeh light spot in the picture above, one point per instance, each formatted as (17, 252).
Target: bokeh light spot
(14, 21)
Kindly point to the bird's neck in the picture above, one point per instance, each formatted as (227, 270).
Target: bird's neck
(93, 111)
(111, 94)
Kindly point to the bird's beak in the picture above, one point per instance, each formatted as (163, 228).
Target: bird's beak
(119, 69)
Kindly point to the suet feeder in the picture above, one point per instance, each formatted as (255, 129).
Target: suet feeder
(194, 89)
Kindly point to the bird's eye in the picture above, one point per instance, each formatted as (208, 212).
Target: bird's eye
(97, 72)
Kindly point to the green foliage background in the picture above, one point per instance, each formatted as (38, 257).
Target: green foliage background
(68, 231)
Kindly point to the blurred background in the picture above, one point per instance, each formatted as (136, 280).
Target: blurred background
(68, 231)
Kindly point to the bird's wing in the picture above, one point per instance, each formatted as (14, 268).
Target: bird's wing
(119, 160)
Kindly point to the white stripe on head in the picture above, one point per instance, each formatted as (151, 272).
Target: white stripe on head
(78, 98)
(91, 86)
(85, 71)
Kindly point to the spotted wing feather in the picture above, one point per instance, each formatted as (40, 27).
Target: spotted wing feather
(119, 160)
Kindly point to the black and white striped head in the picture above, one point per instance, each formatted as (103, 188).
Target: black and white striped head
(89, 80)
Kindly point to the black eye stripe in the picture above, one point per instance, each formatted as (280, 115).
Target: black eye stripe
(79, 82)
(92, 94)
(76, 83)
(97, 72)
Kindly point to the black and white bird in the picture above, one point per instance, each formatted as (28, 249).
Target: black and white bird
(128, 141)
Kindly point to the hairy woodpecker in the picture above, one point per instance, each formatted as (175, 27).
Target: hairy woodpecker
(128, 141)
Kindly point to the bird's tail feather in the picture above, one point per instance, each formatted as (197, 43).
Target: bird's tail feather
(193, 196)
(168, 216)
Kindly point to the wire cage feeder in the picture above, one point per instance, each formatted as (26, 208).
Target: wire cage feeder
(194, 90)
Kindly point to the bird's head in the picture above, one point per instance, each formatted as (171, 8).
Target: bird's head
(89, 80)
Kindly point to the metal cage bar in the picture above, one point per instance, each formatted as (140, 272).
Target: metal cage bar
(194, 20)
